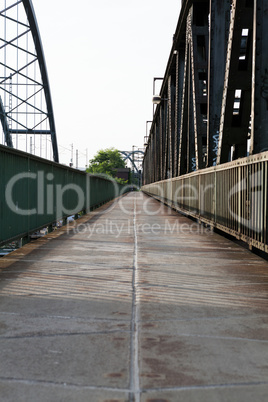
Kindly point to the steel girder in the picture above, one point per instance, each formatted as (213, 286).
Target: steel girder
(218, 36)
(259, 97)
(214, 93)
(236, 103)
(26, 110)
(130, 155)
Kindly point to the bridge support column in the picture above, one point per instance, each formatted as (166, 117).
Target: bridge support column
(259, 100)
(178, 107)
(184, 148)
(235, 113)
(193, 133)
(164, 114)
(218, 38)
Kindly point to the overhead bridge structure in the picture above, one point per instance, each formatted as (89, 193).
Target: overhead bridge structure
(26, 111)
(133, 157)
(207, 148)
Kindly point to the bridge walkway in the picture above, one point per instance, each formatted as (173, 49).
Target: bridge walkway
(133, 302)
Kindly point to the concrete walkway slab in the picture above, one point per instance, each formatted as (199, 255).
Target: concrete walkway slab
(133, 302)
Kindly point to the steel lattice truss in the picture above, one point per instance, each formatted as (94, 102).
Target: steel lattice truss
(25, 102)
(135, 158)
(214, 106)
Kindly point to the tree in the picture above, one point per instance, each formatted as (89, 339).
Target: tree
(106, 161)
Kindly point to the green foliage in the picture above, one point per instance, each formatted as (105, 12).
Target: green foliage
(120, 181)
(105, 162)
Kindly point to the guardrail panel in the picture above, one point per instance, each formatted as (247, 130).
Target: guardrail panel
(232, 197)
(36, 193)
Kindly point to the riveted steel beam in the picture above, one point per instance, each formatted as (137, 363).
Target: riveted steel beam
(178, 106)
(182, 164)
(218, 38)
(259, 100)
(24, 86)
(29, 9)
(235, 113)
(4, 122)
(199, 36)
(216, 86)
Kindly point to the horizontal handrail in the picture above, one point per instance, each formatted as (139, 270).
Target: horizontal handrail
(36, 193)
(231, 197)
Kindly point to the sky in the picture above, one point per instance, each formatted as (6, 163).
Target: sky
(101, 59)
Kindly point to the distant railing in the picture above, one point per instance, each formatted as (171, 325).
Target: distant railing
(231, 197)
(37, 193)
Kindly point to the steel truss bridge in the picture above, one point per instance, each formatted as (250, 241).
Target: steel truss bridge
(207, 152)
(206, 149)
(26, 111)
(134, 157)
(125, 302)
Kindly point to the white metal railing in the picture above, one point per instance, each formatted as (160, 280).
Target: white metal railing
(231, 197)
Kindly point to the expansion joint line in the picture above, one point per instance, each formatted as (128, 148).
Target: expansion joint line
(134, 362)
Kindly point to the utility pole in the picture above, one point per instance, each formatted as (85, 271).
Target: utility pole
(133, 164)
(72, 154)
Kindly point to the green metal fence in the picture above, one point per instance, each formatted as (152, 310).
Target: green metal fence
(231, 197)
(36, 193)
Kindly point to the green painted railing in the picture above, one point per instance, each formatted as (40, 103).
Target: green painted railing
(36, 193)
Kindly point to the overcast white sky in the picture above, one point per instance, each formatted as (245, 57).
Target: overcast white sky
(101, 58)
